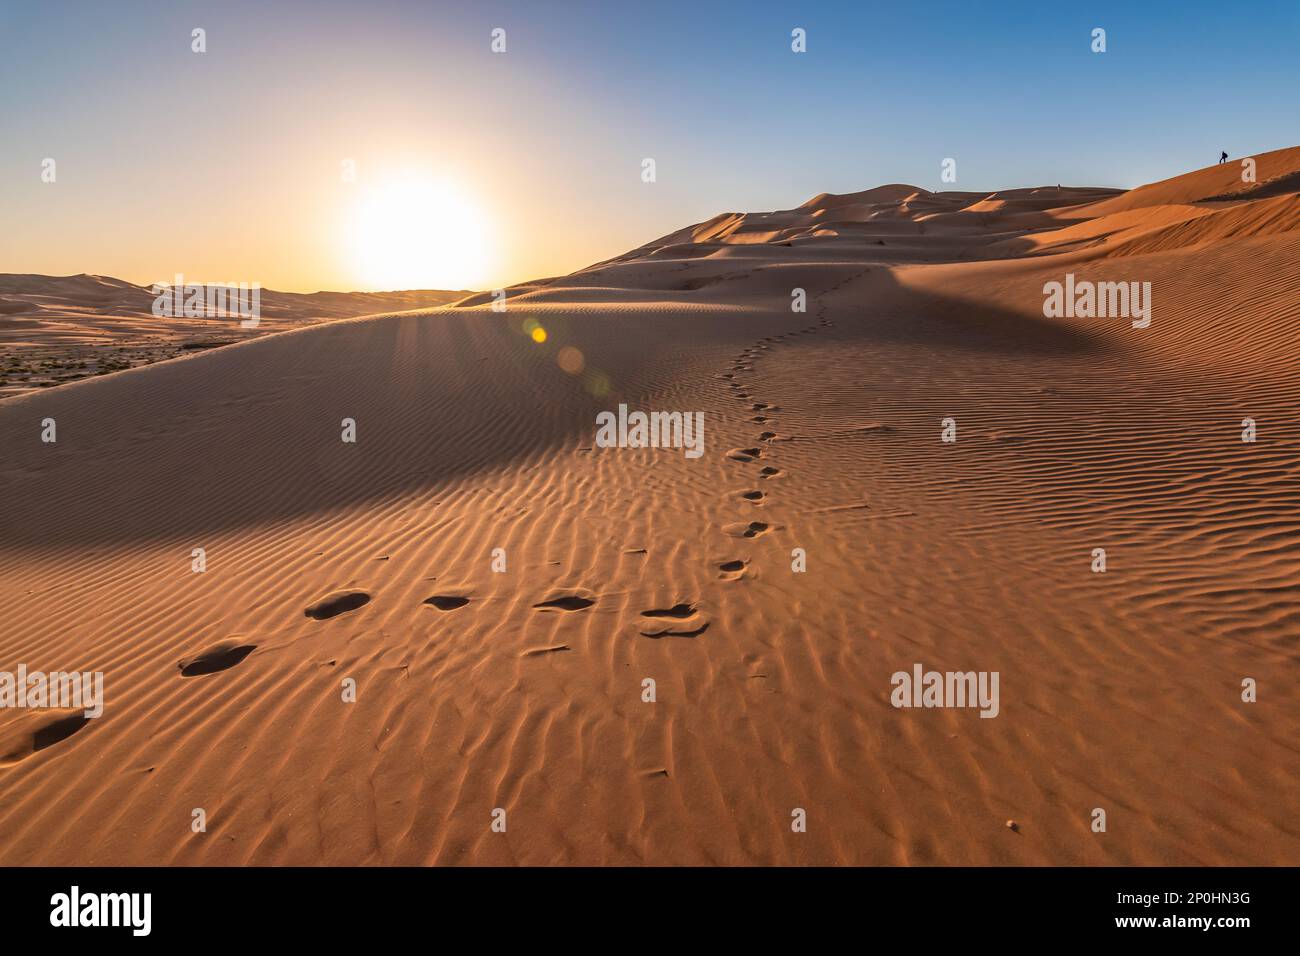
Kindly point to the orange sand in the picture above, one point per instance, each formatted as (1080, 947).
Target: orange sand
(522, 690)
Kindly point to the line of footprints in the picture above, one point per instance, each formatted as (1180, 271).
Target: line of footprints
(764, 415)
(227, 654)
(681, 620)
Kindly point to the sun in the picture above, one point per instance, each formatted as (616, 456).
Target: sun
(419, 233)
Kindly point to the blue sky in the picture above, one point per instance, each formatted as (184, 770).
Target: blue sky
(548, 138)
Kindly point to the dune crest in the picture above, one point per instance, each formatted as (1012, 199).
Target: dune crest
(646, 658)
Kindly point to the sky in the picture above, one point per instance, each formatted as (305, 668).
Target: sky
(475, 169)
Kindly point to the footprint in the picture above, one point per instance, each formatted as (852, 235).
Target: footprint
(447, 602)
(767, 436)
(745, 454)
(679, 611)
(767, 471)
(753, 495)
(39, 729)
(680, 620)
(568, 600)
(340, 602)
(732, 570)
(217, 658)
(747, 529)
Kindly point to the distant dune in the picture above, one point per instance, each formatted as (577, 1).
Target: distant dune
(55, 329)
(617, 646)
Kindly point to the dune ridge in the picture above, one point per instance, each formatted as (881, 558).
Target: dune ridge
(58, 329)
(500, 589)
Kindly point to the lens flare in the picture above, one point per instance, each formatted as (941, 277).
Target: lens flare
(571, 360)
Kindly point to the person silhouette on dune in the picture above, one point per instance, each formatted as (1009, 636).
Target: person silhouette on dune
(1223, 156)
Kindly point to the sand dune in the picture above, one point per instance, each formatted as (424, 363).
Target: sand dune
(56, 329)
(1276, 171)
(481, 685)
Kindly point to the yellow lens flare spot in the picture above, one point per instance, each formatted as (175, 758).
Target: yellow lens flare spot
(539, 334)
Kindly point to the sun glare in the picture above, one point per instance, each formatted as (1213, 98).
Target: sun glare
(419, 234)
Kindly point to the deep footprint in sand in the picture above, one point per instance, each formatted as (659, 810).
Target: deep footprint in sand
(447, 602)
(745, 454)
(574, 599)
(767, 471)
(732, 570)
(747, 529)
(752, 495)
(679, 611)
(340, 602)
(36, 731)
(680, 620)
(215, 659)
